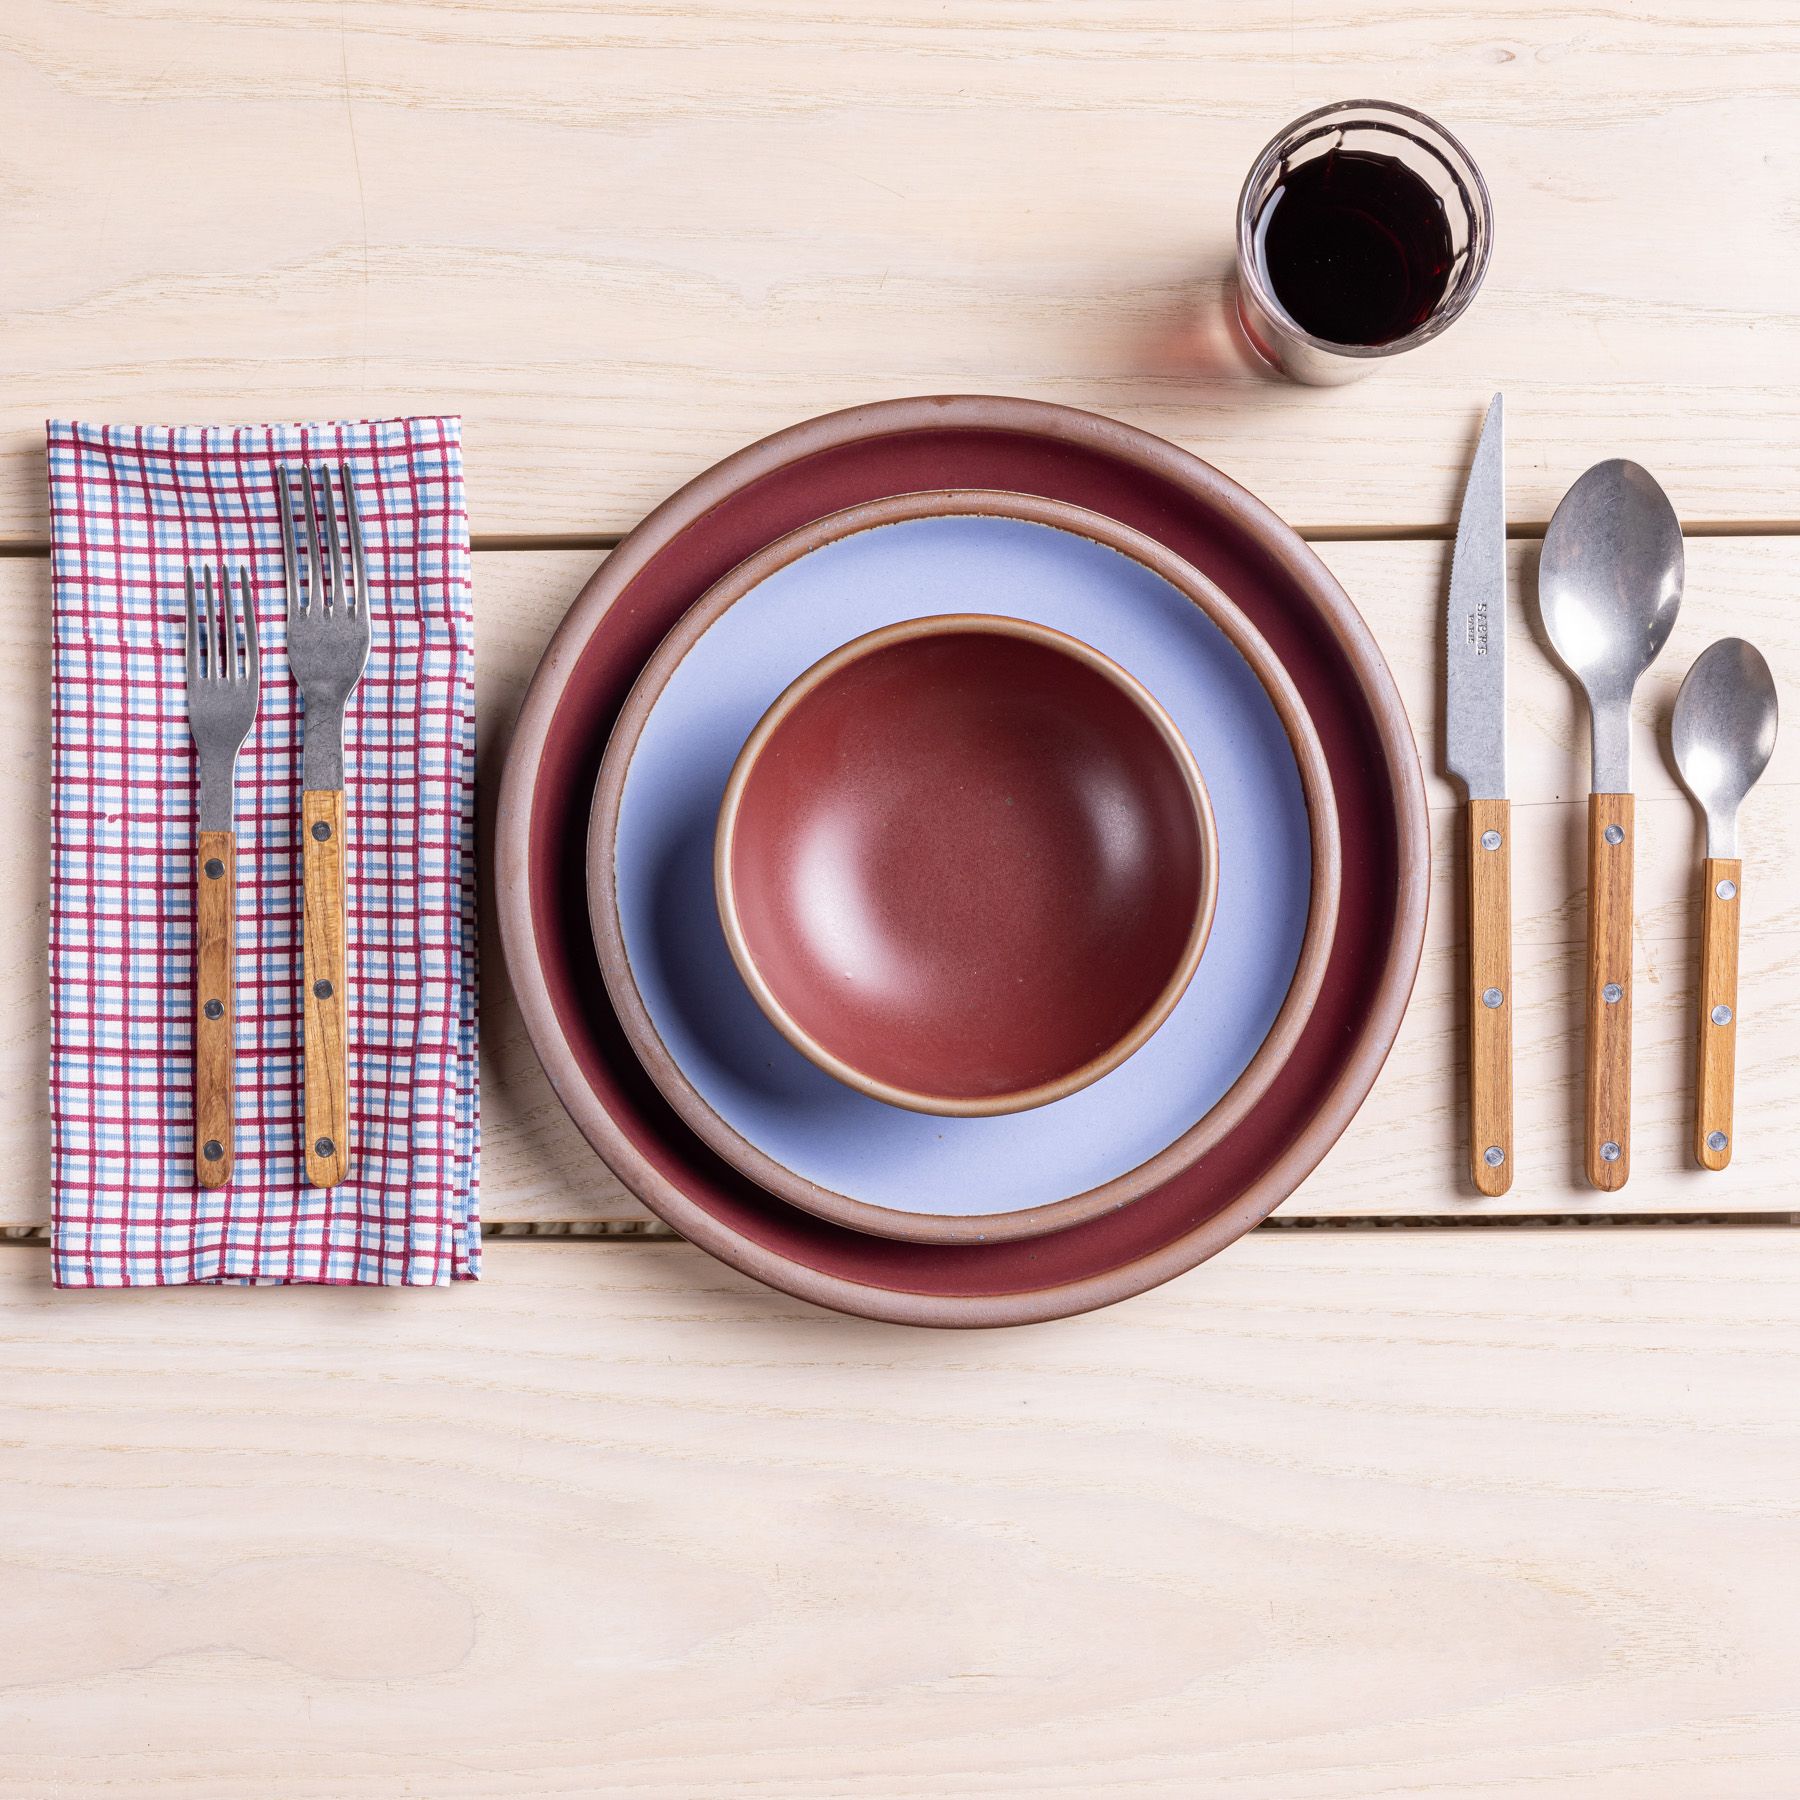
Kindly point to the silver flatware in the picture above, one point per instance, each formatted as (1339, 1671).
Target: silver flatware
(223, 685)
(1724, 734)
(1609, 587)
(1475, 752)
(328, 646)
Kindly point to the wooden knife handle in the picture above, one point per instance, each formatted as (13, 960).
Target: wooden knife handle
(1490, 996)
(1611, 852)
(1720, 905)
(215, 915)
(322, 883)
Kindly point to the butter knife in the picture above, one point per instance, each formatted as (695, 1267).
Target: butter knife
(1475, 752)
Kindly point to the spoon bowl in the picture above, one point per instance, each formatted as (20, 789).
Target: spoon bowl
(1609, 587)
(1724, 734)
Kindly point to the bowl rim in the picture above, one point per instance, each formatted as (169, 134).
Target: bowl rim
(1212, 1126)
(1161, 1004)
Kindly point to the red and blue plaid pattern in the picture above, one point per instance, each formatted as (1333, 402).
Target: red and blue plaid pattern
(131, 507)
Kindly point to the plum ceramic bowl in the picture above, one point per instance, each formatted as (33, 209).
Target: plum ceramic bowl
(966, 864)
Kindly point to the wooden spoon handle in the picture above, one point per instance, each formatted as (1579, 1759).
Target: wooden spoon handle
(1610, 858)
(215, 915)
(322, 884)
(1720, 904)
(1490, 996)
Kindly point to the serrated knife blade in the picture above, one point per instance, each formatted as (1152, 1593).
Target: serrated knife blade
(1475, 634)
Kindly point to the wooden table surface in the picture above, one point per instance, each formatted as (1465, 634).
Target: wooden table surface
(1409, 1493)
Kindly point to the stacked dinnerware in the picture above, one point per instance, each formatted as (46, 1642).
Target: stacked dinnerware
(1005, 861)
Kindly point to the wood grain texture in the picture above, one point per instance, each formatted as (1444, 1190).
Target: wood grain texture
(624, 240)
(1346, 1516)
(1407, 1151)
(1721, 906)
(1612, 852)
(1490, 996)
(1359, 1515)
(326, 1000)
(215, 1010)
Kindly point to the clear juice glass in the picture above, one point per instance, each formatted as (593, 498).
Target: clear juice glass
(1373, 128)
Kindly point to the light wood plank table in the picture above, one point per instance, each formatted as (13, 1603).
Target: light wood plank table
(1369, 1506)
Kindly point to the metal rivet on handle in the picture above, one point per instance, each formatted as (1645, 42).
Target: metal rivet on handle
(1493, 1156)
(214, 868)
(1490, 840)
(1612, 993)
(1721, 1015)
(1716, 1140)
(324, 1147)
(1615, 834)
(213, 1150)
(1491, 997)
(321, 830)
(1726, 890)
(321, 990)
(1610, 1152)
(214, 1009)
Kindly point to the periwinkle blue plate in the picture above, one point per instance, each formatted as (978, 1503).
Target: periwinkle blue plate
(754, 1097)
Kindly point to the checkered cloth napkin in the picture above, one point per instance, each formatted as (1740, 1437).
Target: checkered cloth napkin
(131, 507)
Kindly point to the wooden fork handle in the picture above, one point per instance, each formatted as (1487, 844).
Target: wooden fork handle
(1611, 828)
(1720, 905)
(1490, 996)
(215, 914)
(323, 1005)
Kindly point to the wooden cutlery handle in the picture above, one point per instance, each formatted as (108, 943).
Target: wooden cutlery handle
(1490, 996)
(215, 915)
(322, 883)
(1611, 852)
(1719, 908)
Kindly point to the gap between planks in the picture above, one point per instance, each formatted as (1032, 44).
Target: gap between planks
(639, 1231)
(1439, 533)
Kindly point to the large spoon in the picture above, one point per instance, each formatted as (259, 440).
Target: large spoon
(1724, 733)
(1609, 586)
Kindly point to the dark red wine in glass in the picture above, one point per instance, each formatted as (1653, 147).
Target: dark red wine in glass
(1355, 246)
(1363, 230)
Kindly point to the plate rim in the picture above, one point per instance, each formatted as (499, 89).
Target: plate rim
(1336, 1105)
(1216, 1122)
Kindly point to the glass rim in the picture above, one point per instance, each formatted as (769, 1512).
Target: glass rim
(1475, 191)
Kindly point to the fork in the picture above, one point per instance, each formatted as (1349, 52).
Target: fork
(328, 645)
(223, 683)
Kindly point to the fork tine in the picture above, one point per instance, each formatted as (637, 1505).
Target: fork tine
(228, 663)
(359, 563)
(252, 665)
(209, 633)
(218, 627)
(323, 575)
(339, 598)
(318, 581)
(290, 561)
(194, 668)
